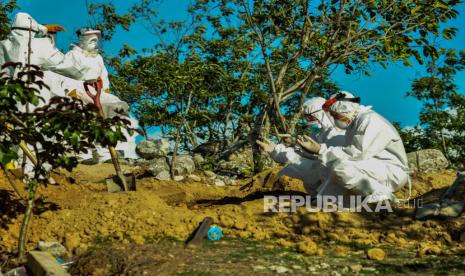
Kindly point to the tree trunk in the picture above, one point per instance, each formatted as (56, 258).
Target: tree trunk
(25, 223)
(178, 134)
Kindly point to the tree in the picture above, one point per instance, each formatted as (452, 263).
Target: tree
(442, 104)
(6, 8)
(276, 53)
(299, 41)
(54, 132)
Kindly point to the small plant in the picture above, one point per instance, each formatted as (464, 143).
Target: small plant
(53, 132)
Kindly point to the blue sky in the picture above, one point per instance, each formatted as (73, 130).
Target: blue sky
(384, 90)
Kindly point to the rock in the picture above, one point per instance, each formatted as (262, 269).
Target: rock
(150, 149)
(178, 178)
(54, 248)
(427, 160)
(279, 269)
(183, 165)
(356, 268)
(219, 183)
(240, 163)
(163, 176)
(198, 160)
(208, 148)
(157, 166)
(209, 174)
(428, 249)
(376, 254)
(308, 247)
(193, 177)
(229, 181)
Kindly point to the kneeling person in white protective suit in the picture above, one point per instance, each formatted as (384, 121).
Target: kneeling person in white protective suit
(372, 163)
(299, 164)
(86, 56)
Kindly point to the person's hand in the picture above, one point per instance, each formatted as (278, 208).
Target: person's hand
(308, 144)
(266, 145)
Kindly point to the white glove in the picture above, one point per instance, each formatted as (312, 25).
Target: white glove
(308, 144)
(266, 145)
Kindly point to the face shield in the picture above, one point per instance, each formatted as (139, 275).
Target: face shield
(343, 107)
(89, 42)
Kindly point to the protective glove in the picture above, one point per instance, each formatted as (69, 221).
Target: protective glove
(54, 28)
(308, 144)
(266, 145)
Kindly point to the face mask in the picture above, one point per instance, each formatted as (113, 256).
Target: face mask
(341, 124)
(89, 42)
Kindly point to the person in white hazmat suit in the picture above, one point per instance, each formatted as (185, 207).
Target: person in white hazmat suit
(86, 56)
(27, 42)
(300, 164)
(372, 163)
(44, 54)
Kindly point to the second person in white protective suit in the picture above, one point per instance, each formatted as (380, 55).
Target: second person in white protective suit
(86, 55)
(372, 163)
(301, 165)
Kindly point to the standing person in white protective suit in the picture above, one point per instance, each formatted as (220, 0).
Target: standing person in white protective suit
(86, 56)
(372, 163)
(300, 164)
(26, 43)
(43, 53)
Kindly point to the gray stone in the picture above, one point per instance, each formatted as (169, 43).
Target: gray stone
(54, 248)
(240, 163)
(219, 183)
(193, 177)
(208, 148)
(427, 160)
(229, 181)
(156, 166)
(198, 160)
(209, 174)
(178, 178)
(356, 267)
(183, 165)
(279, 269)
(150, 149)
(163, 176)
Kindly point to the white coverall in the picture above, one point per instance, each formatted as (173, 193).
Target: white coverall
(301, 165)
(43, 54)
(373, 162)
(94, 67)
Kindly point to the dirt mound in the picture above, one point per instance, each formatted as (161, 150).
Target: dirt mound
(83, 213)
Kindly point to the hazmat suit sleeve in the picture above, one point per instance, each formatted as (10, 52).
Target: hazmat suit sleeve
(370, 138)
(50, 58)
(282, 154)
(104, 76)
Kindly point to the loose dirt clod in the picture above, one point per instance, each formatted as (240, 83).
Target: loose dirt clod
(376, 254)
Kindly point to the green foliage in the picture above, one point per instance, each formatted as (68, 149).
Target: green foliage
(6, 8)
(107, 19)
(56, 130)
(442, 113)
(250, 65)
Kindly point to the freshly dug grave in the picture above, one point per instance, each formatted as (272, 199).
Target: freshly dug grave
(79, 212)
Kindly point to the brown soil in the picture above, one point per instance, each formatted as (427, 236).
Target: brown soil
(79, 212)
